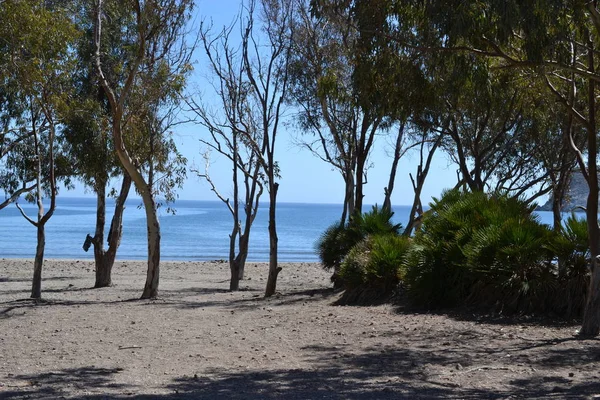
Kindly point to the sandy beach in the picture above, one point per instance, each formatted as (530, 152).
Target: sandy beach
(199, 341)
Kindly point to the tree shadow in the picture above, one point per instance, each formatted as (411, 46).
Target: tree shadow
(8, 309)
(473, 314)
(292, 297)
(58, 384)
(28, 280)
(335, 372)
(374, 374)
(194, 290)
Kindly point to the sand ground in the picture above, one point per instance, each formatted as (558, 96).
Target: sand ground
(199, 341)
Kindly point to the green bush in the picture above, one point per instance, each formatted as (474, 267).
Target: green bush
(484, 249)
(572, 257)
(374, 267)
(337, 240)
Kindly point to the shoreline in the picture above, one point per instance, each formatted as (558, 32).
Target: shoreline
(167, 261)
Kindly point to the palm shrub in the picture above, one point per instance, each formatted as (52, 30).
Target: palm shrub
(512, 265)
(338, 239)
(436, 272)
(480, 248)
(373, 268)
(570, 247)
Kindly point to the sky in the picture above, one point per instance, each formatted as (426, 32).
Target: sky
(304, 178)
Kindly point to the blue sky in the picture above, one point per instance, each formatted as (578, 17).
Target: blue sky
(304, 178)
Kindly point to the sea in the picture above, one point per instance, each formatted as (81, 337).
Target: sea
(197, 231)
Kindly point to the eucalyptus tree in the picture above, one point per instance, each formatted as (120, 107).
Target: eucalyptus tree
(141, 92)
(338, 130)
(351, 86)
(36, 37)
(553, 142)
(233, 132)
(88, 137)
(266, 53)
(252, 84)
(487, 129)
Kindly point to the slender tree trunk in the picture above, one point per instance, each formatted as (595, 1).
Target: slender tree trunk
(105, 259)
(243, 247)
(152, 223)
(346, 205)
(422, 172)
(416, 207)
(387, 201)
(36, 285)
(103, 271)
(153, 227)
(350, 191)
(591, 316)
(556, 212)
(237, 264)
(234, 266)
(274, 269)
(358, 191)
(131, 167)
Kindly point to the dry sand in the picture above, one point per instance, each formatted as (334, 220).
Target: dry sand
(198, 341)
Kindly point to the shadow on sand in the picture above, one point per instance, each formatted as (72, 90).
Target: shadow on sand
(375, 374)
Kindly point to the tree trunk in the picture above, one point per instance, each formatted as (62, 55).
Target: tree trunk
(234, 266)
(387, 201)
(358, 191)
(103, 271)
(36, 283)
(274, 269)
(416, 207)
(243, 252)
(153, 227)
(131, 167)
(591, 316)
(422, 172)
(237, 264)
(106, 259)
(350, 191)
(152, 224)
(234, 282)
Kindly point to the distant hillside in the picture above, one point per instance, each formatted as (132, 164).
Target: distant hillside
(576, 196)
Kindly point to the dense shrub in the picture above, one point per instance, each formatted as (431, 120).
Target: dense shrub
(573, 257)
(475, 249)
(483, 249)
(337, 240)
(373, 268)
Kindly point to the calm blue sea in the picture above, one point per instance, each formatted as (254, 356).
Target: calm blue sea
(199, 230)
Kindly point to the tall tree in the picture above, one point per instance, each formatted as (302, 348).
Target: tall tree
(233, 133)
(265, 54)
(350, 86)
(88, 138)
(36, 37)
(155, 49)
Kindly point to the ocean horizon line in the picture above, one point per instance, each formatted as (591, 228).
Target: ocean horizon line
(137, 198)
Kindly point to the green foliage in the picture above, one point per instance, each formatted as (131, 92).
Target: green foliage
(482, 249)
(571, 246)
(333, 245)
(36, 63)
(573, 257)
(376, 260)
(366, 253)
(337, 240)
(373, 268)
